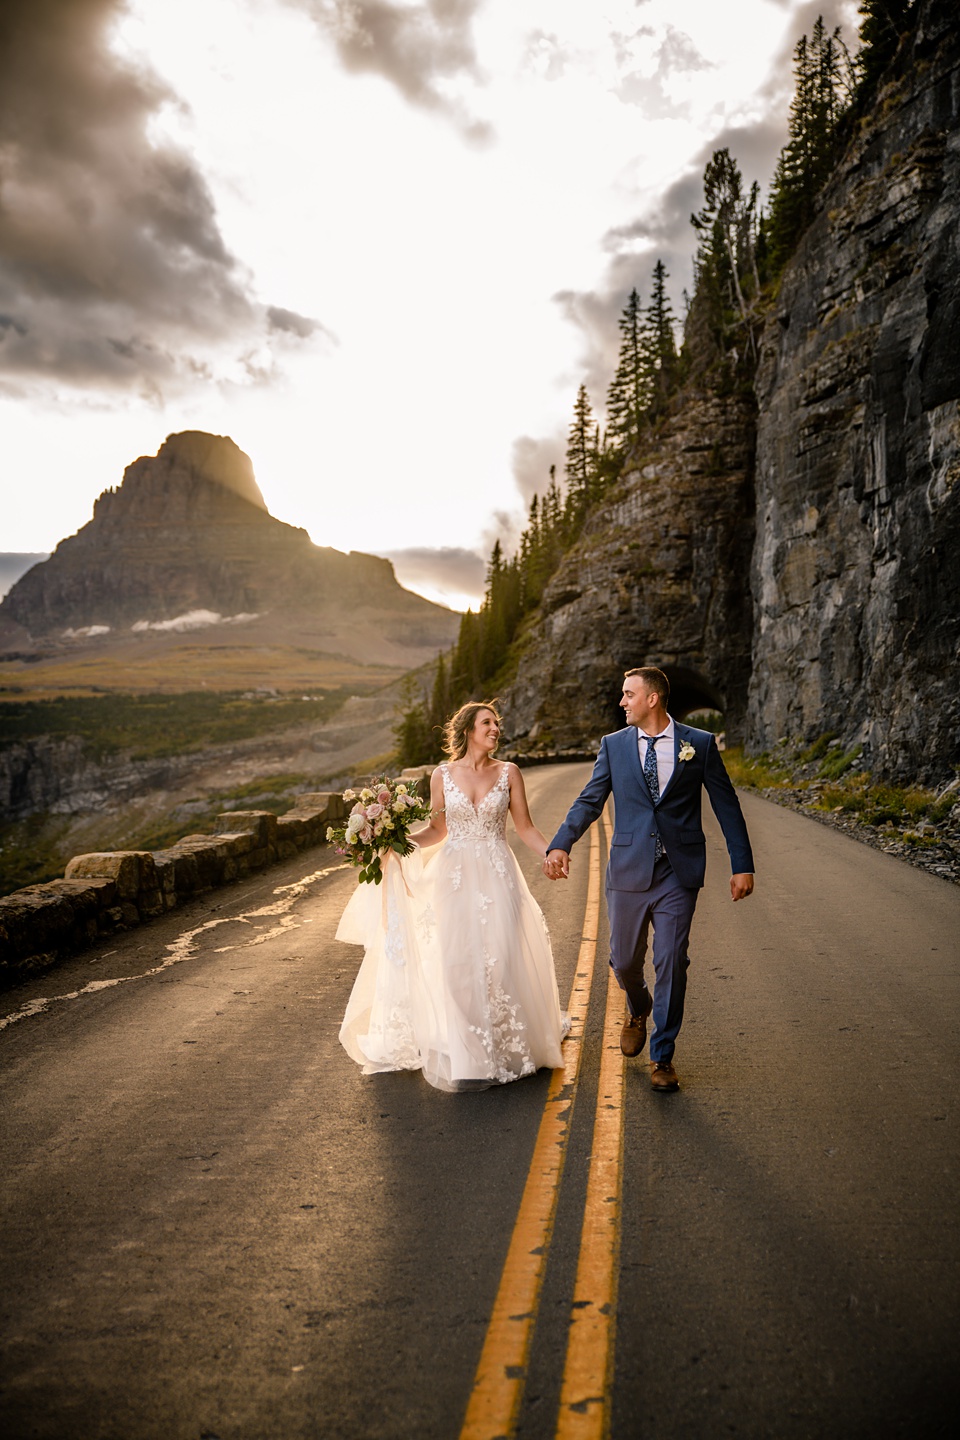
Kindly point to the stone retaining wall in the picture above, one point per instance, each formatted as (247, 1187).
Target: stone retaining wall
(114, 890)
(118, 889)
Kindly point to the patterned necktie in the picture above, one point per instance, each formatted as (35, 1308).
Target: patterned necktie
(653, 783)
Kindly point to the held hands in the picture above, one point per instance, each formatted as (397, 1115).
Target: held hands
(741, 886)
(556, 865)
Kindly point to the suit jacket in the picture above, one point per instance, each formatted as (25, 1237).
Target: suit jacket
(676, 815)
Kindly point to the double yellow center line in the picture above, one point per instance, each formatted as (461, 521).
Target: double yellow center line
(494, 1405)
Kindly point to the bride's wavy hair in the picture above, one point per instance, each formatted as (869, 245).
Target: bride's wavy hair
(458, 727)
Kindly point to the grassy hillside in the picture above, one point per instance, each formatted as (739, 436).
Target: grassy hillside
(155, 725)
(171, 668)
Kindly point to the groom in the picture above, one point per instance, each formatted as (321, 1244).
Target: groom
(656, 770)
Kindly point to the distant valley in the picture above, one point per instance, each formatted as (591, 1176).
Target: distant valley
(183, 584)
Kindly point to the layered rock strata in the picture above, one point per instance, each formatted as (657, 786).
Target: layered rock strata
(827, 598)
(660, 576)
(856, 568)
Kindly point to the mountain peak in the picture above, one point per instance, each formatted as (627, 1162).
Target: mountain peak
(186, 541)
(197, 455)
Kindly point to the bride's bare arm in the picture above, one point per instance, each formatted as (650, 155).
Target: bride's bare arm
(436, 831)
(533, 838)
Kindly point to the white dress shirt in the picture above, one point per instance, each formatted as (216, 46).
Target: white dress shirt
(665, 747)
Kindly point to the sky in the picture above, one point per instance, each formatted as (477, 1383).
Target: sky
(378, 243)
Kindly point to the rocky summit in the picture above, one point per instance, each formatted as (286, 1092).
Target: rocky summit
(792, 557)
(186, 545)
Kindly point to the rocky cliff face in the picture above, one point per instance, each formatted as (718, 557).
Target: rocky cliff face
(826, 600)
(856, 569)
(188, 532)
(659, 577)
(61, 776)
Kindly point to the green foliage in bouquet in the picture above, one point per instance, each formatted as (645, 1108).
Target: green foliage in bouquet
(379, 822)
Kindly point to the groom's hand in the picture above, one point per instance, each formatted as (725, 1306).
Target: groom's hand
(741, 886)
(557, 865)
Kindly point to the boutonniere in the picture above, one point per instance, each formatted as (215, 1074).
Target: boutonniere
(686, 751)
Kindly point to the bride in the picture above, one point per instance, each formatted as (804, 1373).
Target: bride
(457, 979)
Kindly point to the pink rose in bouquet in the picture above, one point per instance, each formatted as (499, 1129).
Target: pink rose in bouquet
(379, 821)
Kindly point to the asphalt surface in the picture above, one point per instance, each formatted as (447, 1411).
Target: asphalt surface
(215, 1226)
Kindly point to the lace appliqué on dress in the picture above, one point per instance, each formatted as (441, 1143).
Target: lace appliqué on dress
(504, 1039)
(426, 922)
(483, 822)
(393, 1041)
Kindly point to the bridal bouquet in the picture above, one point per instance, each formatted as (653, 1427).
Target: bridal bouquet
(379, 822)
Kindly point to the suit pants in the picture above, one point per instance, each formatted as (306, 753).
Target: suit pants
(668, 907)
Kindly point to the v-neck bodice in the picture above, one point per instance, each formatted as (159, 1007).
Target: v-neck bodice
(487, 820)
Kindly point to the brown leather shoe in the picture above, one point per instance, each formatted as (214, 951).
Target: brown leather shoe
(663, 1077)
(633, 1036)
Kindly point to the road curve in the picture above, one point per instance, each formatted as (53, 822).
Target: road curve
(215, 1228)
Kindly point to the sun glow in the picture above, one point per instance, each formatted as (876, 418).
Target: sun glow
(427, 233)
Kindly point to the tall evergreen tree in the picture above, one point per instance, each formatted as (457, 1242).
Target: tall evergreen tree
(440, 706)
(631, 388)
(725, 269)
(824, 84)
(727, 216)
(882, 25)
(581, 462)
(661, 344)
(414, 739)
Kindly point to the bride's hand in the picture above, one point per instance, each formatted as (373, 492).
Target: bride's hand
(556, 865)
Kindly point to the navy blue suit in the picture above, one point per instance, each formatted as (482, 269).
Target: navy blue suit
(642, 889)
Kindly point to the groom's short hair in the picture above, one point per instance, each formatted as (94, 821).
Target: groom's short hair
(654, 680)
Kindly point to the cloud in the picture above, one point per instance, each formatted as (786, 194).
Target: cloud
(650, 92)
(506, 526)
(113, 269)
(447, 571)
(663, 230)
(544, 54)
(678, 52)
(418, 48)
(299, 325)
(595, 314)
(532, 459)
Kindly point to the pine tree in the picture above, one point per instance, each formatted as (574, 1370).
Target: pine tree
(724, 216)
(465, 669)
(824, 86)
(883, 24)
(415, 742)
(440, 706)
(726, 268)
(551, 526)
(632, 386)
(581, 463)
(660, 340)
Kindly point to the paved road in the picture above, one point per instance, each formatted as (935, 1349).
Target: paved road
(213, 1226)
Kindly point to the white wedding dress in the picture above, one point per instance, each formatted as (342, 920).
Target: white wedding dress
(457, 979)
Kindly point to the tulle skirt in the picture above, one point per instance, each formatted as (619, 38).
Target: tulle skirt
(457, 978)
